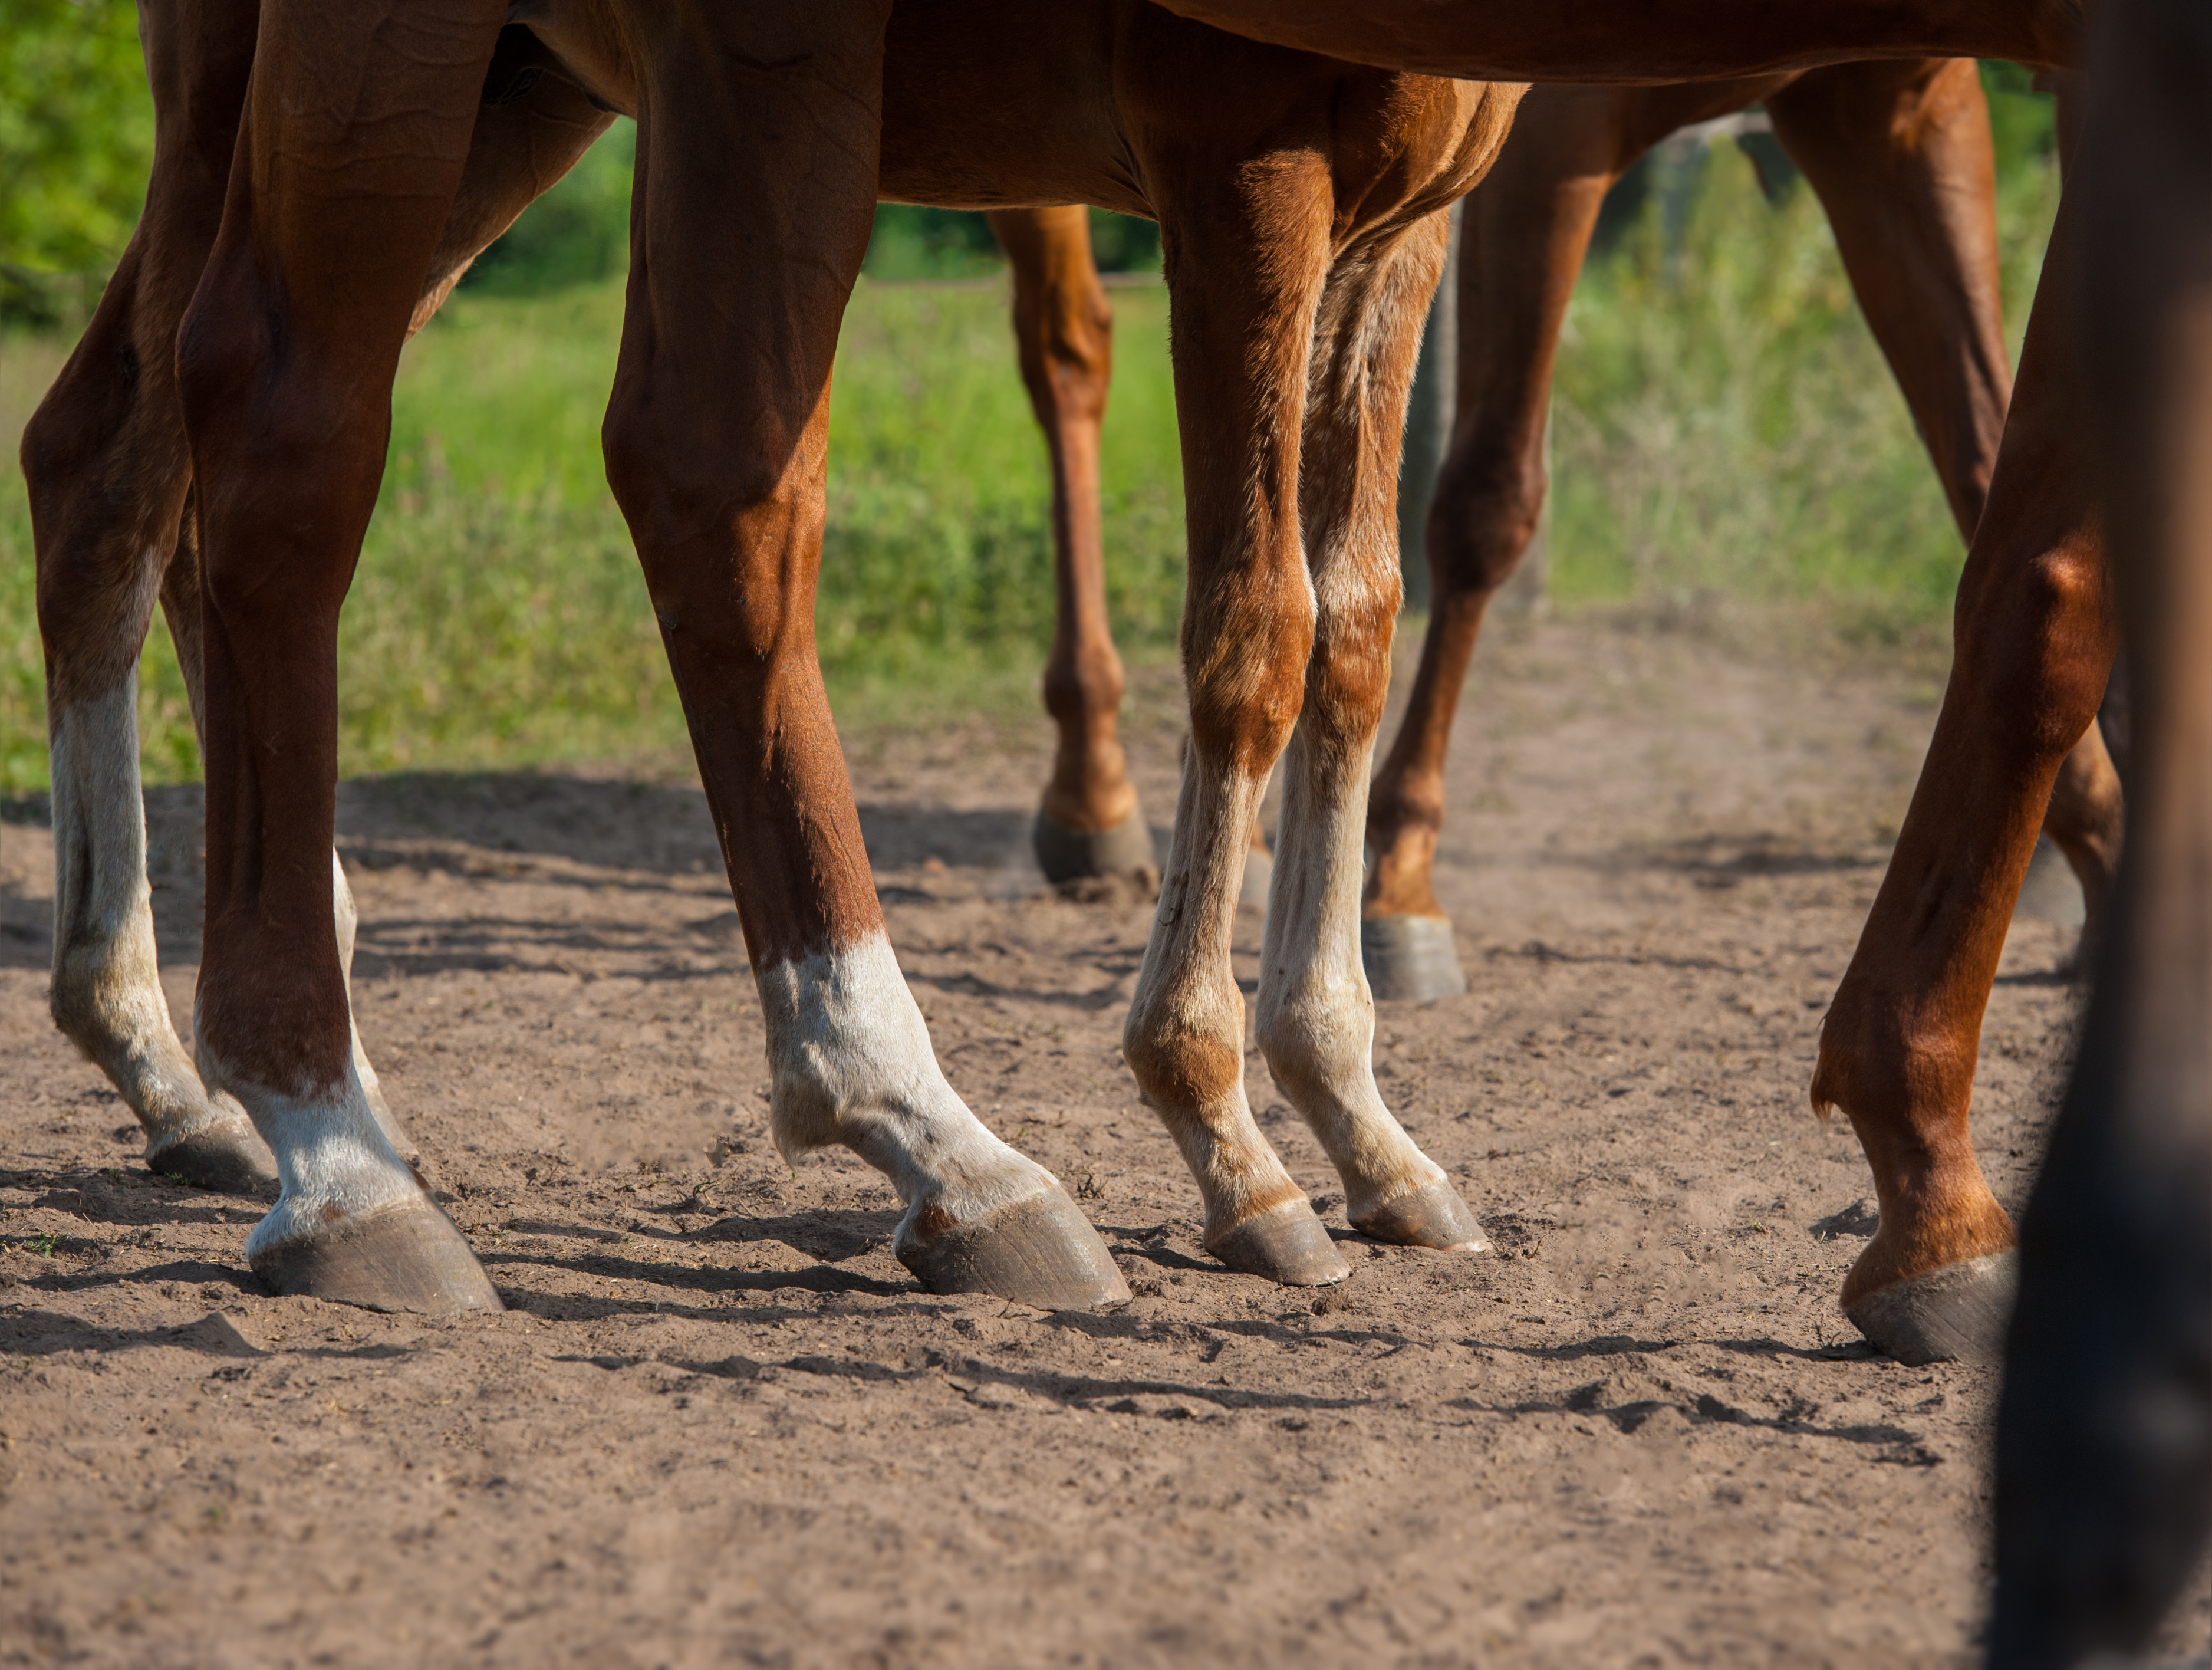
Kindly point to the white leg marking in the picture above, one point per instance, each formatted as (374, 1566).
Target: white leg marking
(1187, 1020)
(106, 991)
(348, 924)
(1317, 1019)
(852, 1064)
(332, 1159)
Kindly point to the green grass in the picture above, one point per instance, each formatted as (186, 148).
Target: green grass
(1724, 424)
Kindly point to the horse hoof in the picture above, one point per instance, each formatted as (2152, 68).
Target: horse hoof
(1039, 1252)
(1432, 1216)
(1959, 1312)
(405, 1258)
(225, 1154)
(1411, 956)
(1075, 854)
(1287, 1245)
(1259, 876)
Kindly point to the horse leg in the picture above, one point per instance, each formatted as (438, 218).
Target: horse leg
(715, 442)
(326, 243)
(105, 461)
(1247, 253)
(1317, 1019)
(2104, 1444)
(1523, 235)
(1090, 823)
(109, 474)
(1901, 156)
(2034, 646)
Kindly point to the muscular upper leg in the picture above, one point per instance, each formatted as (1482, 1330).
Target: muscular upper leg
(526, 137)
(104, 456)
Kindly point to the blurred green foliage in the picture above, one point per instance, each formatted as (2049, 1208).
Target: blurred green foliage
(76, 138)
(1724, 421)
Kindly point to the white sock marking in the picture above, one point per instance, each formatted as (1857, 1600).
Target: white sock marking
(852, 1064)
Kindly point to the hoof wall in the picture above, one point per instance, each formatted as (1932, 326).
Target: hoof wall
(1958, 1313)
(1411, 956)
(406, 1258)
(1434, 1216)
(1075, 855)
(228, 1155)
(1287, 1244)
(1039, 1252)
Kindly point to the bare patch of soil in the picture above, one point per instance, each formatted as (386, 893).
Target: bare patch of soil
(719, 1424)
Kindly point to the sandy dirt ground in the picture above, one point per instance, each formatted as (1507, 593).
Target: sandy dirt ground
(718, 1423)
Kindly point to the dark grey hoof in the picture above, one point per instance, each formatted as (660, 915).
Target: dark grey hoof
(1433, 1216)
(1287, 1244)
(1959, 1312)
(405, 1258)
(1041, 1251)
(1074, 855)
(1411, 956)
(227, 1155)
(1259, 876)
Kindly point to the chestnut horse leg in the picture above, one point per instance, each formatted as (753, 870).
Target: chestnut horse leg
(107, 466)
(1523, 237)
(2104, 1446)
(1901, 156)
(351, 156)
(715, 442)
(1248, 254)
(1089, 824)
(105, 461)
(2034, 647)
(1317, 1019)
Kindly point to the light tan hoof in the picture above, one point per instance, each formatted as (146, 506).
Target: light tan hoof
(1287, 1245)
(405, 1257)
(225, 1154)
(1039, 1252)
(1075, 855)
(1433, 1216)
(1958, 1313)
(1411, 957)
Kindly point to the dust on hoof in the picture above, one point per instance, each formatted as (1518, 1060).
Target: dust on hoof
(1259, 876)
(1074, 855)
(1959, 1312)
(1432, 1216)
(1287, 1245)
(405, 1257)
(227, 1155)
(1411, 956)
(1039, 1252)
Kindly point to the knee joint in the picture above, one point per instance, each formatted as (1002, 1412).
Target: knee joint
(2043, 649)
(1245, 665)
(1185, 1055)
(1487, 507)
